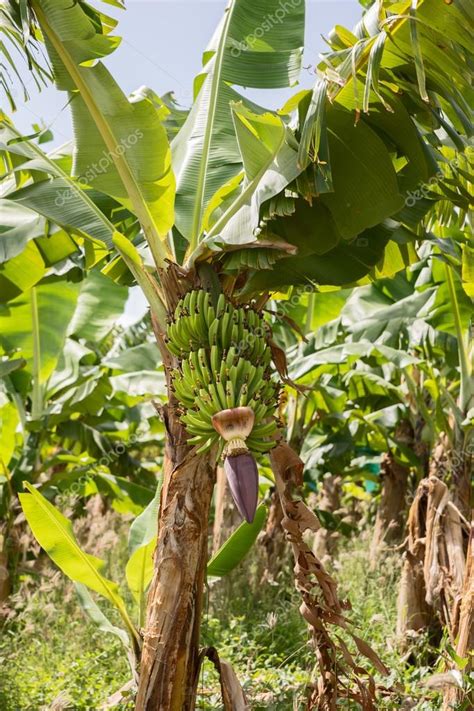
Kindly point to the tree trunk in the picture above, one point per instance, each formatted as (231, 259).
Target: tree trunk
(390, 518)
(324, 544)
(272, 541)
(170, 656)
(388, 527)
(413, 612)
(463, 628)
(433, 569)
(4, 574)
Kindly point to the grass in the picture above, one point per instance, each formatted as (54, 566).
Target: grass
(48, 649)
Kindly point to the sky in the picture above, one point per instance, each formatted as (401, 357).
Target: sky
(162, 44)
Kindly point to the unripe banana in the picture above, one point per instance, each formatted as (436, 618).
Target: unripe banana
(206, 374)
(221, 304)
(230, 394)
(215, 358)
(193, 301)
(230, 358)
(225, 330)
(223, 363)
(186, 301)
(222, 396)
(213, 331)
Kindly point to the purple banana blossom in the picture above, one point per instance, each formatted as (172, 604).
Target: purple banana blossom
(242, 475)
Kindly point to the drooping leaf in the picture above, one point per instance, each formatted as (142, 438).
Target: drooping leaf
(344, 264)
(92, 609)
(365, 183)
(59, 198)
(54, 533)
(234, 550)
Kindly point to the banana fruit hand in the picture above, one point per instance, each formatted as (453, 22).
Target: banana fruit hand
(223, 362)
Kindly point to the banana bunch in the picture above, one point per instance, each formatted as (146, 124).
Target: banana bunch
(197, 324)
(223, 363)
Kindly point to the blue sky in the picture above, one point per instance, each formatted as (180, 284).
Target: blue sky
(162, 42)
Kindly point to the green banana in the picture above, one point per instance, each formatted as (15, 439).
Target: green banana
(222, 396)
(221, 304)
(223, 362)
(215, 358)
(213, 331)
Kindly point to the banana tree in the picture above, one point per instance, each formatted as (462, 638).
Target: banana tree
(244, 201)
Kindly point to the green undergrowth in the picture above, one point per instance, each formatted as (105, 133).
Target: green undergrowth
(50, 652)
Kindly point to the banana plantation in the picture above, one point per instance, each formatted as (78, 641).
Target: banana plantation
(236, 364)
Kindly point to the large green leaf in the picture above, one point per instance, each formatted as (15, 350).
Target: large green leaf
(234, 550)
(269, 157)
(9, 420)
(341, 265)
(54, 533)
(99, 305)
(43, 315)
(121, 146)
(141, 544)
(248, 49)
(365, 187)
(18, 226)
(59, 197)
(22, 272)
(393, 124)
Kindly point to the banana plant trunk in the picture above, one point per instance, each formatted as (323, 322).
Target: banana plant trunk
(170, 657)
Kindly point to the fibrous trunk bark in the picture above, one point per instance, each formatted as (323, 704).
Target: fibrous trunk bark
(170, 657)
(325, 541)
(463, 628)
(390, 518)
(434, 559)
(388, 527)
